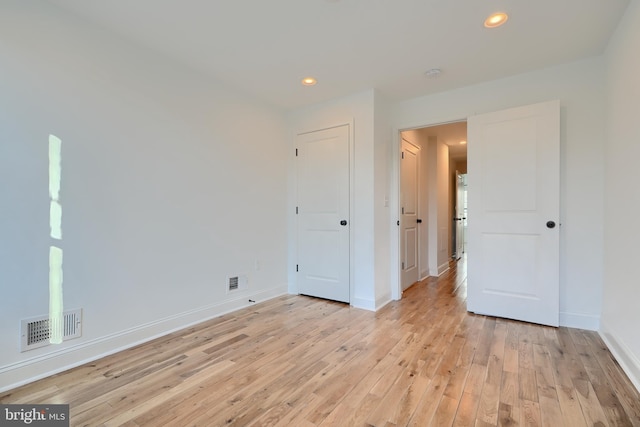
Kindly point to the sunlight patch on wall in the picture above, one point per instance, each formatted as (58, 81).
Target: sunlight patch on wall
(56, 310)
(55, 177)
(55, 166)
(55, 220)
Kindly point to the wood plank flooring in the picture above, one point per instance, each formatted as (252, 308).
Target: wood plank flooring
(300, 361)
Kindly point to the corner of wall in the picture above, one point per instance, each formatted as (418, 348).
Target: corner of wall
(589, 322)
(364, 304)
(629, 363)
(383, 300)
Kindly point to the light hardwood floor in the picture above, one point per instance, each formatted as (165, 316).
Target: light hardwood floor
(300, 361)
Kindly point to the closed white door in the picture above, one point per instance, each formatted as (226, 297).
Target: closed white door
(323, 213)
(409, 235)
(513, 196)
(459, 215)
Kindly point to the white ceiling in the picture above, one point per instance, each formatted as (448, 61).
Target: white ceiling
(266, 47)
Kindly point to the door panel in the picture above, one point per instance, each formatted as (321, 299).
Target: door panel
(409, 168)
(513, 185)
(459, 219)
(410, 248)
(509, 149)
(323, 202)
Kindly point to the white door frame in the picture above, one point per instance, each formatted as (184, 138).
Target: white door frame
(394, 200)
(293, 218)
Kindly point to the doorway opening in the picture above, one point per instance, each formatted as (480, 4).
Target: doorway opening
(442, 160)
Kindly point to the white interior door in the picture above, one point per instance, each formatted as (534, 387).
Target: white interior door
(513, 196)
(459, 215)
(409, 173)
(323, 213)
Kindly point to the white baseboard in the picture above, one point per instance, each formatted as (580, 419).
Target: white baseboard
(442, 268)
(365, 304)
(589, 322)
(53, 362)
(383, 300)
(628, 361)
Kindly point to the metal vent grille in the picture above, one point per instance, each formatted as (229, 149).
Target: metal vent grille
(35, 332)
(234, 283)
(237, 283)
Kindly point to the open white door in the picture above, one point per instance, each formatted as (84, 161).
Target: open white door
(459, 215)
(323, 213)
(513, 196)
(409, 235)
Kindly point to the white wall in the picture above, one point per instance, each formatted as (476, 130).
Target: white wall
(621, 313)
(383, 218)
(170, 183)
(438, 165)
(442, 209)
(580, 88)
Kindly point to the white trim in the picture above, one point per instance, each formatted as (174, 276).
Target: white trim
(623, 355)
(382, 302)
(364, 304)
(589, 322)
(442, 268)
(33, 369)
(352, 206)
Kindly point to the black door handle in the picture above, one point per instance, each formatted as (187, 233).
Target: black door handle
(419, 221)
(551, 224)
(343, 222)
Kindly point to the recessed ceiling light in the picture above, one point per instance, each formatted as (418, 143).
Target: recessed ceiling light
(495, 20)
(309, 81)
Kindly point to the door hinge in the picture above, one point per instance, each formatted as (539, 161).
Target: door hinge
(403, 154)
(403, 211)
(296, 267)
(296, 152)
(403, 265)
(296, 210)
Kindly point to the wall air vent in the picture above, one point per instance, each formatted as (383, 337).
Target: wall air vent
(237, 283)
(35, 333)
